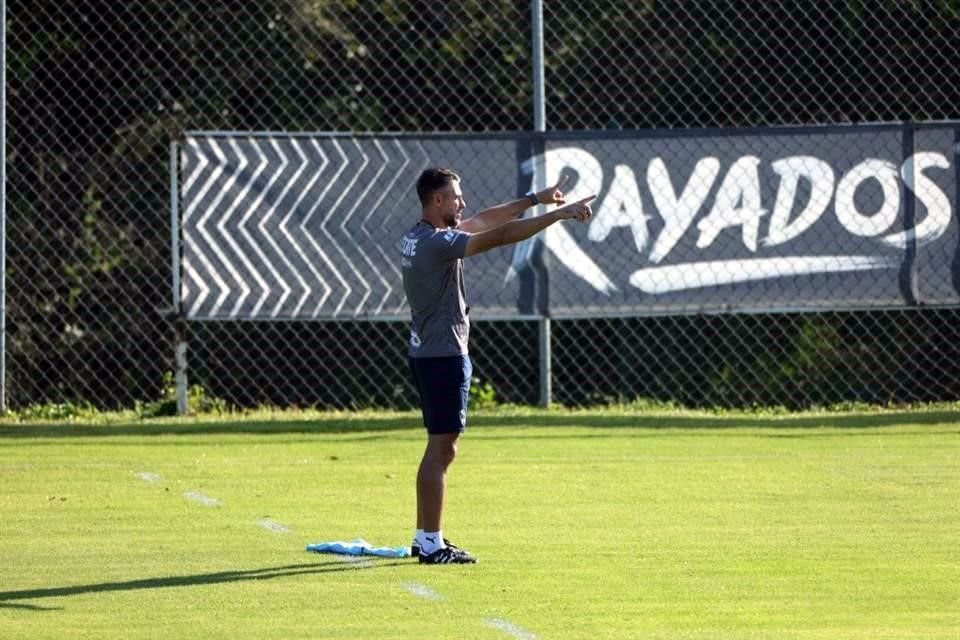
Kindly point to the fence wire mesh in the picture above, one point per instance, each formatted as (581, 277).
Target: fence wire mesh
(97, 89)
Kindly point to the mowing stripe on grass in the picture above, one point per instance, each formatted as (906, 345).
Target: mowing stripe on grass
(199, 498)
(266, 523)
(273, 525)
(422, 591)
(510, 629)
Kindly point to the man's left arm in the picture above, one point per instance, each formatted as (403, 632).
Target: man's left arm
(503, 213)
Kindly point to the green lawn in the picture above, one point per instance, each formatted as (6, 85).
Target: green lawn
(589, 524)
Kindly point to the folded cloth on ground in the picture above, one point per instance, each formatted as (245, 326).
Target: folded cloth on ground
(358, 547)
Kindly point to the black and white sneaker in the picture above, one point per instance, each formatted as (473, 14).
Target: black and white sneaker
(448, 555)
(415, 548)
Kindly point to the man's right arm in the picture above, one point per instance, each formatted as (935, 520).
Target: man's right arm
(517, 230)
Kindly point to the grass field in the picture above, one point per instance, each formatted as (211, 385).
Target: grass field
(587, 524)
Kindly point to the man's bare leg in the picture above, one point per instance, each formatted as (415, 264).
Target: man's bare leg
(432, 479)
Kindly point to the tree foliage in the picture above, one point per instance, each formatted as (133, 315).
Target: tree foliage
(98, 88)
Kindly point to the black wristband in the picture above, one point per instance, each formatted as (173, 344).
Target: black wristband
(532, 197)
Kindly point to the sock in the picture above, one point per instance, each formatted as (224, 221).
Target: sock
(430, 541)
(416, 536)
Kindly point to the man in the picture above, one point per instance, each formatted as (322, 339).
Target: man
(432, 255)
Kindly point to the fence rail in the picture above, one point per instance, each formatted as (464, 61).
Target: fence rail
(97, 90)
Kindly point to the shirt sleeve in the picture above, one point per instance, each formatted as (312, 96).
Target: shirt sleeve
(447, 245)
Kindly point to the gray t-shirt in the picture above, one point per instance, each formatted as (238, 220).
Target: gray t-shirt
(432, 265)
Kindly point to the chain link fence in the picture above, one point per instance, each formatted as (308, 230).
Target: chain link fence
(96, 90)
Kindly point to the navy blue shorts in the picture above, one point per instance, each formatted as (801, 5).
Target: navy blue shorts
(444, 388)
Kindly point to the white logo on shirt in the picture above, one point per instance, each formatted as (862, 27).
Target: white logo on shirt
(449, 236)
(408, 247)
(415, 341)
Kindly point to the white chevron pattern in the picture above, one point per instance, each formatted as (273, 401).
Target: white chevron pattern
(375, 208)
(282, 226)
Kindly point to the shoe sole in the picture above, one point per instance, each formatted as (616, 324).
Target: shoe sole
(471, 560)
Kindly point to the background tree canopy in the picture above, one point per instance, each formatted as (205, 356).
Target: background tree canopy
(97, 89)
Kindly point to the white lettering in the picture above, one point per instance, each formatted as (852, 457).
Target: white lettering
(860, 224)
(791, 170)
(621, 207)
(589, 172)
(930, 195)
(556, 237)
(678, 213)
(698, 275)
(408, 247)
(737, 204)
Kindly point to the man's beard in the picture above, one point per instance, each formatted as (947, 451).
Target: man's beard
(450, 220)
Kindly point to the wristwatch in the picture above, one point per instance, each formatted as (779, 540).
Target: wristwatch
(532, 197)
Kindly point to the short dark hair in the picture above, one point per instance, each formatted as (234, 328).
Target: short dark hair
(432, 180)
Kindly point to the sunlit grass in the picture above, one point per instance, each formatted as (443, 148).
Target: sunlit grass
(613, 523)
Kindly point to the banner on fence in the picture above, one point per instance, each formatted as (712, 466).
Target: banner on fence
(307, 226)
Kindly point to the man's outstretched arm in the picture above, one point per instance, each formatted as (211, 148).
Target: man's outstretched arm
(493, 217)
(517, 230)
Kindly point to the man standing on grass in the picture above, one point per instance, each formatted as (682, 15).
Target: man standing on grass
(432, 255)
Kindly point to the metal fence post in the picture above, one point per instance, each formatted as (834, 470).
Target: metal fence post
(179, 321)
(3, 207)
(539, 182)
(180, 332)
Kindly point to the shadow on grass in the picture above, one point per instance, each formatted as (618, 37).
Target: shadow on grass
(240, 425)
(373, 423)
(266, 573)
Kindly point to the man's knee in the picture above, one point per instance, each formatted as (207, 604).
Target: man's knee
(442, 449)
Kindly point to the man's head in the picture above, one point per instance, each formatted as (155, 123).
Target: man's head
(441, 197)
